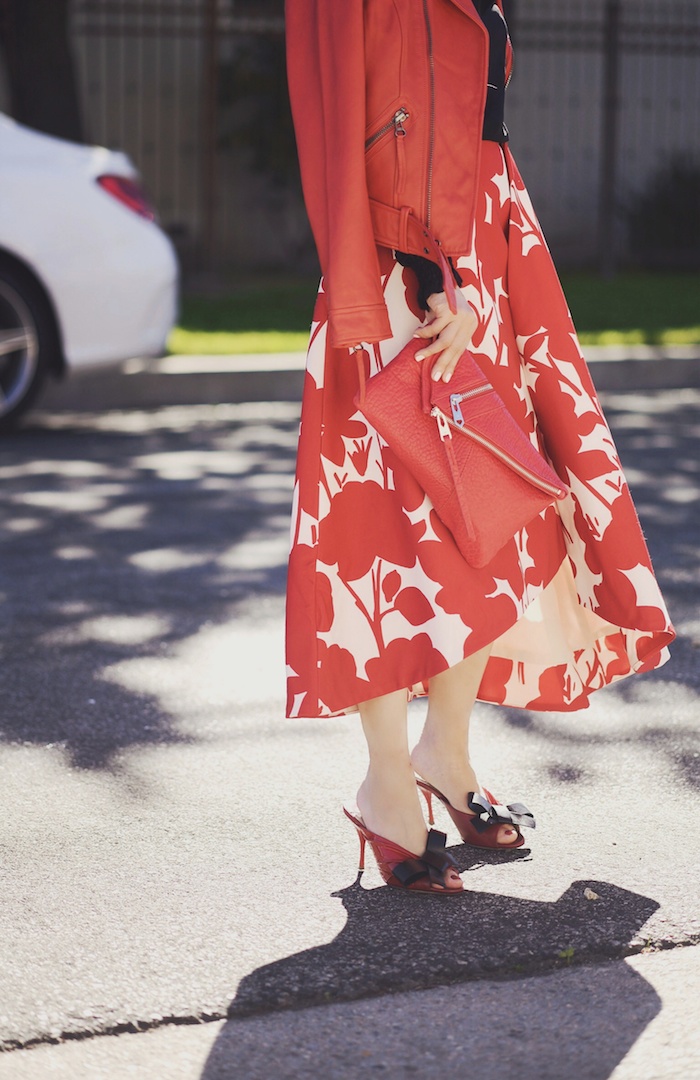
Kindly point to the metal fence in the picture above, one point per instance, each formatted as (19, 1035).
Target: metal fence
(605, 99)
(153, 76)
(605, 94)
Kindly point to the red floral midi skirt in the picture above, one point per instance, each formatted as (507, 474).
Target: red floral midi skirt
(379, 598)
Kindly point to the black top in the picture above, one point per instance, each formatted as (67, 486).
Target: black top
(494, 128)
(429, 273)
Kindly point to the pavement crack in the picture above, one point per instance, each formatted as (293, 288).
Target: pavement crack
(505, 973)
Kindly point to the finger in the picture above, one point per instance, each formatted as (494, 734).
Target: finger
(436, 346)
(452, 348)
(429, 330)
(436, 328)
(432, 329)
(445, 366)
(462, 322)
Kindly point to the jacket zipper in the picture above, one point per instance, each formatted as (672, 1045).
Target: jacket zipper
(397, 123)
(445, 423)
(431, 144)
(509, 45)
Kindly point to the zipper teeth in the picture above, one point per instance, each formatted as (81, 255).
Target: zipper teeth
(512, 57)
(483, 388)
(506, 458)
(402, 113)
(431, 61)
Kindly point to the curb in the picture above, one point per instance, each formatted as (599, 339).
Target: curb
(644, 367)
(210, 380)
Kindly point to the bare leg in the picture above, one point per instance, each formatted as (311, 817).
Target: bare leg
(388, 798)
(442, 754)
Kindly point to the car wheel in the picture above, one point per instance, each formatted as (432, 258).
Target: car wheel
(27, 340)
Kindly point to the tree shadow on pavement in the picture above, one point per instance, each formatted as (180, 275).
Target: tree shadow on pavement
(121, 537)
(395, 942)
(678, 744)
(657, 435)
(124, 534)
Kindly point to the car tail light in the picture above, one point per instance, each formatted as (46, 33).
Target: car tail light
(129, 193)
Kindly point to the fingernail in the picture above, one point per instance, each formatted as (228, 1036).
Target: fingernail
(420, 356)
(448, 376)
(435, 375)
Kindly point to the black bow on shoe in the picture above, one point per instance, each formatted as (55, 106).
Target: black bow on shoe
(433, 863)
(487, 814)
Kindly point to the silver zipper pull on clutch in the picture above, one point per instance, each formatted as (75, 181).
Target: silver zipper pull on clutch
(456, 409)
(443, 425)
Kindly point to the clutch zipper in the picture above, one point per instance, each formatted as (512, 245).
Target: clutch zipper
(455, 399)
(445, 423)
(397, 123)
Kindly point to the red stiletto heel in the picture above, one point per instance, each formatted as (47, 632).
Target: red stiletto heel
(427, 874)
(480, 827)
(428, 796)
(363, 841)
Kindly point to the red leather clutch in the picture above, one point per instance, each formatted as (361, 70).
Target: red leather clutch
(478, 467)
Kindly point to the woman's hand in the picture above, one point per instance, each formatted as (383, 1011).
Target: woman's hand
(451, 333)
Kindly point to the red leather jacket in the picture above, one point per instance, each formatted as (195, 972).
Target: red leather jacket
(388, 100)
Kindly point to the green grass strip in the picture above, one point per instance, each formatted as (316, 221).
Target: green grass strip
(635, 309)
(275, 315)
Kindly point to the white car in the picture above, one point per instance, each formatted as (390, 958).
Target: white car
(86, 275)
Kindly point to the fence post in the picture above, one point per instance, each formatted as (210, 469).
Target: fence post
(607, 237)
(210, 129)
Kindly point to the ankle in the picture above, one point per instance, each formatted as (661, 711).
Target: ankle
(389, 805)
(384, 783)
(449, 771)
(440, 753)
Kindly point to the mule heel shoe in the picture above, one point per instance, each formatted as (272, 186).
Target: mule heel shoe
(428, 874)
(480, 828)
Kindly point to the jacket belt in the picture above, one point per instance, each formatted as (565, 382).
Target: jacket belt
(401, 230)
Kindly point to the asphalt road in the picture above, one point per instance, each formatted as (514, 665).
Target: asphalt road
(172, 851)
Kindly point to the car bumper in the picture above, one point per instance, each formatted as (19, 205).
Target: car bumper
(126, 310)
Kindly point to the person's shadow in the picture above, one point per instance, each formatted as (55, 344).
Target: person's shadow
(395, 942)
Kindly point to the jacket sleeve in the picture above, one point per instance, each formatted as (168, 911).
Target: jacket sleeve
(326, 72)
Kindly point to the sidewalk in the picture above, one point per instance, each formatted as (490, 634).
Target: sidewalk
(631, 1020)
(172, 852)
(201, 380)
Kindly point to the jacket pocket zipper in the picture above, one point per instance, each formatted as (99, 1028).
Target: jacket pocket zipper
(445, 423)
(397, 123)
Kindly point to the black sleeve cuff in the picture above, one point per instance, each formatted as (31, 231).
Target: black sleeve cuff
(428, 275)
